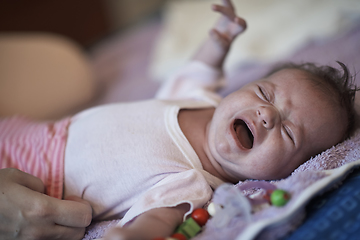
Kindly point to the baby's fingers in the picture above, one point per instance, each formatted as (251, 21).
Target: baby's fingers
(228, 3)
(226, 11)
(241, 22)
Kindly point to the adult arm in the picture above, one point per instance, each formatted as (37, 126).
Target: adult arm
(27, 213)
(43, 76)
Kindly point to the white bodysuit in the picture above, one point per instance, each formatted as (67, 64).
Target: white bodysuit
(127, 158)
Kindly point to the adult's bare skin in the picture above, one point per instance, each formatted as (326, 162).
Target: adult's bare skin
(27, 213)
(44, 76)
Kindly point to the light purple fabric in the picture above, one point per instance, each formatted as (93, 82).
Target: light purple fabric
(98, 229)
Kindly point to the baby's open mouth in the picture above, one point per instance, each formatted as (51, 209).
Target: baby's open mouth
(243, 133)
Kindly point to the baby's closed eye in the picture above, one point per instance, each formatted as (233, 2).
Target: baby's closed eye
(288, 132)
(264, 94)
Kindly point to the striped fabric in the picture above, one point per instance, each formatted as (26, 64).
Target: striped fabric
(35, 148)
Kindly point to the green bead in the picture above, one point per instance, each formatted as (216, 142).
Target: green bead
(189, 228)
(279, 197)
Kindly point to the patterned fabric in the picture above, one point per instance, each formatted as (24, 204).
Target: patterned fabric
(333, 215)
(35, 148)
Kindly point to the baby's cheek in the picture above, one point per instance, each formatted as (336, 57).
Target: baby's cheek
(222, 146)
(271, 168)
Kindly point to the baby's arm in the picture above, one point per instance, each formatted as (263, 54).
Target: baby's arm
(158, 222)
(212, 53)
(216, 47)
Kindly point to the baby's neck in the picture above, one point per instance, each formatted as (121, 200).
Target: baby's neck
(193, 123)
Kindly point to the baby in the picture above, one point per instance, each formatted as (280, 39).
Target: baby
(152, 162)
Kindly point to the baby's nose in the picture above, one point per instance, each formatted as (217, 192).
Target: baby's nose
(268, 116)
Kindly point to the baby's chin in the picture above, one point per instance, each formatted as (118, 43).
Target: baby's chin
(234, 177)
(268, 176)
(276, 176)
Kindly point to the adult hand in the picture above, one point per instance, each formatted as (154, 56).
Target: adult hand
(27, 213)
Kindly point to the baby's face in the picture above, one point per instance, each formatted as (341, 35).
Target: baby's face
(269, 127)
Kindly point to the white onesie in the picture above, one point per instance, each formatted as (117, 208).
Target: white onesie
(127, 158)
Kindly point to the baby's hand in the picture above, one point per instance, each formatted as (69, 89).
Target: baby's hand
(228, 26)
(119, 233)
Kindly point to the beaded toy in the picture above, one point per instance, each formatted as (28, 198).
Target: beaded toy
(228, 202)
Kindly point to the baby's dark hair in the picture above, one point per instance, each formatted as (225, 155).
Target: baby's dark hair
(339, 83)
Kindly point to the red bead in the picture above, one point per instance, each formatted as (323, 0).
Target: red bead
(179, 236)
(267, 195)
(200, 216)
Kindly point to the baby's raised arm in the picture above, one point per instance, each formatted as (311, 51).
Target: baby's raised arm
(211, 53)
(216, 47)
